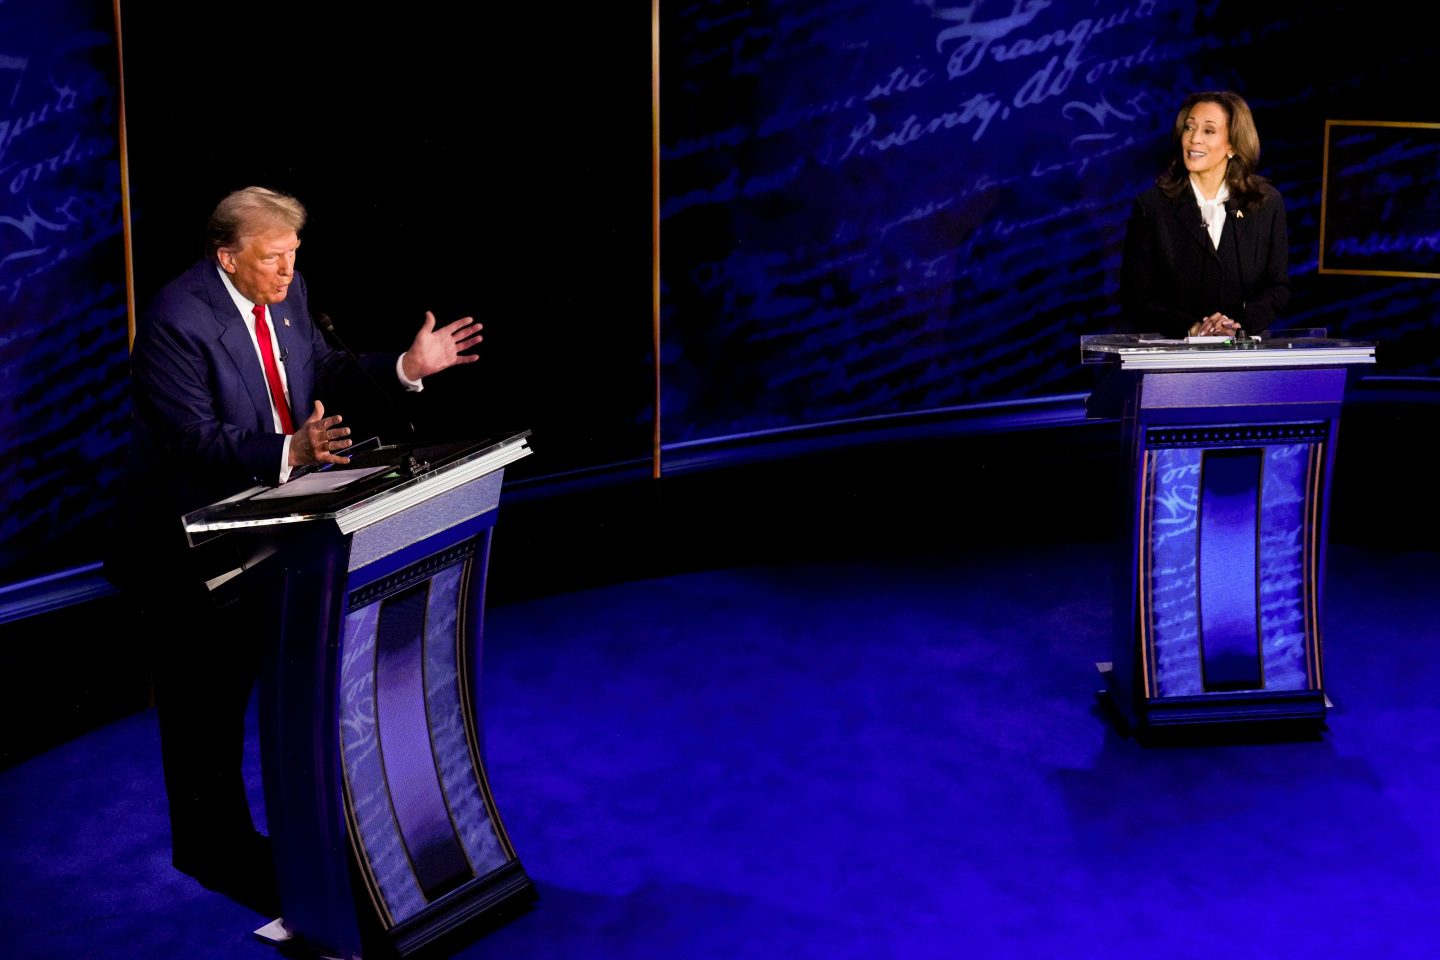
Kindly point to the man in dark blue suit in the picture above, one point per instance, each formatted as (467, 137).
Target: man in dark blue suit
(229, 372)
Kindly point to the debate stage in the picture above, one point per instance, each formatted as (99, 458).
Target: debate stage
(878, 752)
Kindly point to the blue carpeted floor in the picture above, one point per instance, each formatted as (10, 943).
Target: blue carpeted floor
(900, 757)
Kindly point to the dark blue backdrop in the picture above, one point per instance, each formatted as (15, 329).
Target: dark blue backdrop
(63, 336)
(875, 207)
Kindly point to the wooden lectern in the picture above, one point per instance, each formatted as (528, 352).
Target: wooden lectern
(385, 832)
(1230, 446)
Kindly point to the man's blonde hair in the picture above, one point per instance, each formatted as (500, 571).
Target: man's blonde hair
(248, 211)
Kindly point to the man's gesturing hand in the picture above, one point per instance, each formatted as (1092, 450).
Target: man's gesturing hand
(435, 350)
(318, 440)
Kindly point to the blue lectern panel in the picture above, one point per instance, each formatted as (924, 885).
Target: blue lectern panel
(1289, 477)
(1229, 568)
(369, 798)
(453, 757)
(1173, 538)
(1225, 574)
(420, 812)
(419, 802)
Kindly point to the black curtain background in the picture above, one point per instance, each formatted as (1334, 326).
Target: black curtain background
(493, 163)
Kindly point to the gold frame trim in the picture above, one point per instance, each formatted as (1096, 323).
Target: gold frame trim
(1325, 194)
(1147, 493)
(1315, 659)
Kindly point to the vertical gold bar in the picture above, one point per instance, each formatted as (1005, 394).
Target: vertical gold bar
(125, 182)
(655, 221)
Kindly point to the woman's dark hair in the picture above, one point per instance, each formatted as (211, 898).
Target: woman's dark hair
(1246, 188)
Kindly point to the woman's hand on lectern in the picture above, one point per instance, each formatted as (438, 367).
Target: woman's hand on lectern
(1215, 325)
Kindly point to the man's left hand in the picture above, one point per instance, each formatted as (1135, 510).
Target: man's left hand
(434, 349)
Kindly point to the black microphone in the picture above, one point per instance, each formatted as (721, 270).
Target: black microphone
(327, 325)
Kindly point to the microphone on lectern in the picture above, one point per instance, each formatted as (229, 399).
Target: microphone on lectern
(323, 321)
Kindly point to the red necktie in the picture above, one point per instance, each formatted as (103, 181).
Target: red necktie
(272, 373)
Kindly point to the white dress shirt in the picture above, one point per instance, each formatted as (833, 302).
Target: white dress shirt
(247, 315)
(1212, 211)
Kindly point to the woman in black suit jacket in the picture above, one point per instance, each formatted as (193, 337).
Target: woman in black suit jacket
(1206, 250)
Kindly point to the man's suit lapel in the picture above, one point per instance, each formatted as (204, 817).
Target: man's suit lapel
(235, 338)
